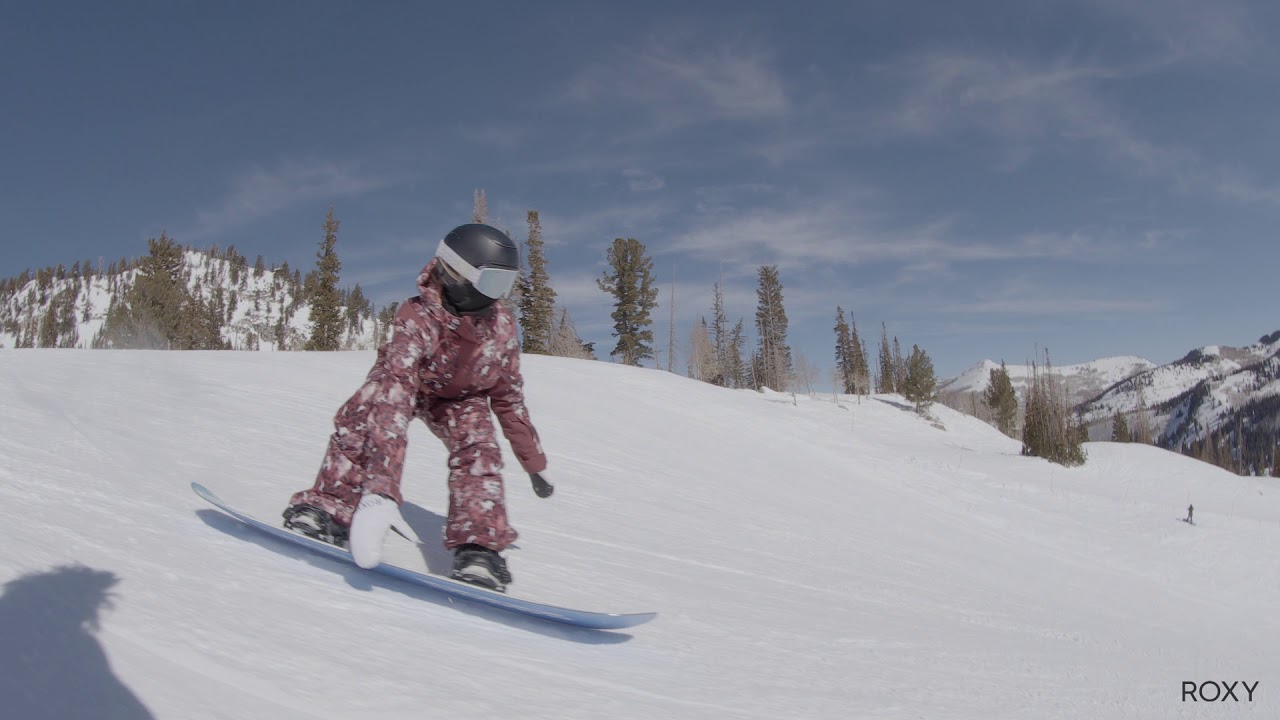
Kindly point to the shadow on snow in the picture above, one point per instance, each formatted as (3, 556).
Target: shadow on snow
(51, 665)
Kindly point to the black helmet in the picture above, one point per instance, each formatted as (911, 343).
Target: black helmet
(478, 265)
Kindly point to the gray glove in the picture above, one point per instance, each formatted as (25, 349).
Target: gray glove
(541, 487)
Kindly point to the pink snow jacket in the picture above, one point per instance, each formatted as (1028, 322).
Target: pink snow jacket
(434, 356)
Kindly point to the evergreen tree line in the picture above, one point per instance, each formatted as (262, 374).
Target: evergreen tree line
(720, 353)
(176, 297)
(1245, 440)
(167, 300)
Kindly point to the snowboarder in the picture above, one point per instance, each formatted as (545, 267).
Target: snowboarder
(453, 356)
(1190, 511)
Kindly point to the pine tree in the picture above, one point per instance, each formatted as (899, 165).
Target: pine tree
(885, 381)
(899, 365)
(1002, 399)
(736, 370)
(1120, 428)
(48, 334)
(631, 285)
(774, 354)
(861, 367)
(537, 297)
(149, 315)
(845, 372)
(326, 318)
(1047, 431)
(358, 309)
(919, 384)
(719, 336)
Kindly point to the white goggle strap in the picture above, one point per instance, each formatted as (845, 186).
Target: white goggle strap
(455, 261)
(491, 282)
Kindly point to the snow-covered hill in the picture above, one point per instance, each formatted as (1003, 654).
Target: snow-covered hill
(258, 307)
(807, 559)
(1210, 389)
(1083, 380)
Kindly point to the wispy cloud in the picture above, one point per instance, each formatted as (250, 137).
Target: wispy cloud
(1190, 29)
(680, 87)
(1044, 292)
(1028, 106)
(502, 137)
(600, 225)
(643, 180)
(261, 192)
(842, 232)
(1056, 306)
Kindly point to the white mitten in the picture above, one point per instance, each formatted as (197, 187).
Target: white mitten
(376, 515)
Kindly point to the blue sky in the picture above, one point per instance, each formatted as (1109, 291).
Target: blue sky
(1098, 178)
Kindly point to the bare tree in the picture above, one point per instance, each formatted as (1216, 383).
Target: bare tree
(806, 373)
(671, 325)
(1141, 427)
(479, 207)
(702, 359)
(565, 341)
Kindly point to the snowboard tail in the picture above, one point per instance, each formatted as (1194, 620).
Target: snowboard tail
(453, 588)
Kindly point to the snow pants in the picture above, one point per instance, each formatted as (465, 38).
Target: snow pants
(353, 466)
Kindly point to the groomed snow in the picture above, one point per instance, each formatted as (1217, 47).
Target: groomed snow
(808, 560)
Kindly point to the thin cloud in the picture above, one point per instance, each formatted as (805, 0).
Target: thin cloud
(502, 137)
(601, 225)
(839, 233)
(1027, 106)
(643, 180)
(1060, 306)
(681, 87)
(261, 192)
(1190, 29)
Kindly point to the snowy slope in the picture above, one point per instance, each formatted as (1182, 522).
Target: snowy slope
(808, 560)
(1082, 380)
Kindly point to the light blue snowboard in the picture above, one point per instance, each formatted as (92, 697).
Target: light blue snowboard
(453, 588)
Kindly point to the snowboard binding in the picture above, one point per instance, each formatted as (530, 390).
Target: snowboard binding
(478, 565)
(315, 523)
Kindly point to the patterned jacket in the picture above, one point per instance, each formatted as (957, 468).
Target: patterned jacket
(433, 357)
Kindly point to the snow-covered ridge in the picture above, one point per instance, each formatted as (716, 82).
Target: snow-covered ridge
(1199, 393)
(262, 308)
(1082, 380)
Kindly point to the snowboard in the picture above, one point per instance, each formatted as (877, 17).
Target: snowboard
(447, 586)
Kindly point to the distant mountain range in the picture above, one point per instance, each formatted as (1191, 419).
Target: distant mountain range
(1230, 394)
(1225, 397)
(1083, 381)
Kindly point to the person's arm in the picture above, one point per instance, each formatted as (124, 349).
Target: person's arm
(507, 400)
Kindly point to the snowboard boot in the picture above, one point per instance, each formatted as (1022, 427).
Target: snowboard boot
(315, 523)
(478, 565)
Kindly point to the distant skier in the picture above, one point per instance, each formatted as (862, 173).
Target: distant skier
(453, 356)
(1191, 509)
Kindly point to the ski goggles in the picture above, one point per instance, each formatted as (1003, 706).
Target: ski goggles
(491, 282)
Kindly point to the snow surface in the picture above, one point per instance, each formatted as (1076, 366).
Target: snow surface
(807, 559)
